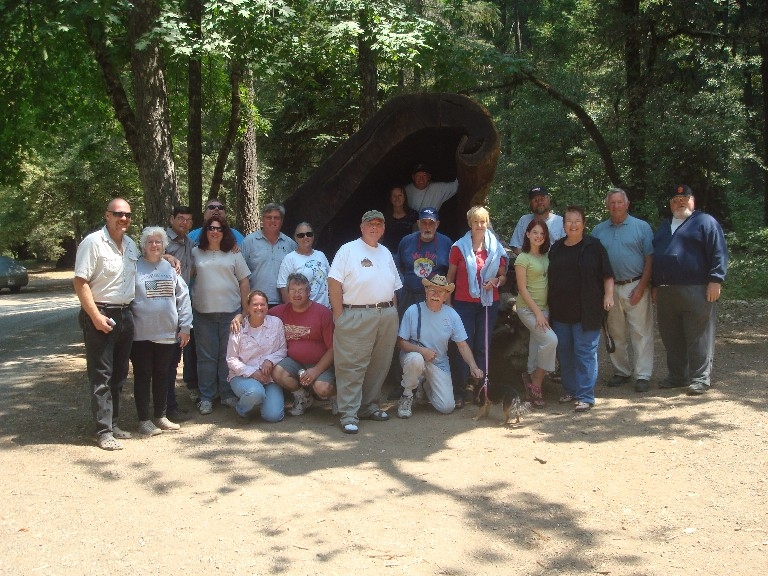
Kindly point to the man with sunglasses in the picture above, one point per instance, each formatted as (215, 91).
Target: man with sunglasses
(105, 272)
(217, 207)
(264, 251)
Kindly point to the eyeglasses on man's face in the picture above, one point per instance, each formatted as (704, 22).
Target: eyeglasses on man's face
(120, 214)
(215, 207)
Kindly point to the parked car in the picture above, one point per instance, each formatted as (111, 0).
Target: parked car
(12, 274)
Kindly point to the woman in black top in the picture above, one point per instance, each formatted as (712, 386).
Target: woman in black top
(400, 219)
(580, 292)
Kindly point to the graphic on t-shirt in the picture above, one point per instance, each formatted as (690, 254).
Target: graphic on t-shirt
(316, 276)
(365, 263)
(294, 332)
(422, 267)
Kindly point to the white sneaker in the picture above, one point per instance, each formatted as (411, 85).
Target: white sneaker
(165, 424)
(302, 401)
(404, 407)
(205, 407)
(147, 428)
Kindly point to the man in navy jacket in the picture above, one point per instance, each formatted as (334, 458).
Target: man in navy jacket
(690, 261)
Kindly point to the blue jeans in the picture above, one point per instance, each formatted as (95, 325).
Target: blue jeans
(577, 352)
(472, 315)
(211, 337)
(106, 357)
(252, 393)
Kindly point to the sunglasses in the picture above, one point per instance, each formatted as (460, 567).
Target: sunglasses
(120, 214)
(307, 234)
(215, 228)
(215, 207)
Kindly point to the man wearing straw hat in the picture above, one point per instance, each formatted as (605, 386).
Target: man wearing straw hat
(425, 331)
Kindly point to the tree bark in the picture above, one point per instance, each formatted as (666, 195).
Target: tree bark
(636, 96)
(366, 62)
(195, 124)
(147, 125)
(229, 140)
(157, 170)
(247, 162)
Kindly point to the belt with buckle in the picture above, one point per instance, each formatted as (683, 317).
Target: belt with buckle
(622, 282)
(377, 305)
(110, 306)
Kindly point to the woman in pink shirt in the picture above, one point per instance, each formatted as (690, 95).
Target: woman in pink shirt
(252, 354)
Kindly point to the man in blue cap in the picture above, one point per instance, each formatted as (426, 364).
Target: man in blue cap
(420, 255)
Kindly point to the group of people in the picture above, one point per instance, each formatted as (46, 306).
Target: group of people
(572, 284)
(267, 315)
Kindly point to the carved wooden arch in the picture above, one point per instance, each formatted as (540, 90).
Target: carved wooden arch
(450, 133)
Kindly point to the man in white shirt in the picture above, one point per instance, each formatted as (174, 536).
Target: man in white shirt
(423, 193)
(539, 200)
(361, 287)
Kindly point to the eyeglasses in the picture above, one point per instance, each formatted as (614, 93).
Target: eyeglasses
(307, 234)
(215, 207)
(120, 214)
(215, 228)
(160, 242)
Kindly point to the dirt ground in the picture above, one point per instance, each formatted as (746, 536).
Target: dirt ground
(658, 483)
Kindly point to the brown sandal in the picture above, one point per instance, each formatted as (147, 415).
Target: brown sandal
(534, 391)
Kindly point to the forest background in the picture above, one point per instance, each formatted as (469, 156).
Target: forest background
(168, 101)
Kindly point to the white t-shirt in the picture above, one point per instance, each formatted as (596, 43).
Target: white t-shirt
(367, 275)
(554, 224)
(432, 196)
(314, 266)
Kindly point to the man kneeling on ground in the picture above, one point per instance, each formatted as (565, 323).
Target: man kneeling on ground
(308, 368)
(425, 331)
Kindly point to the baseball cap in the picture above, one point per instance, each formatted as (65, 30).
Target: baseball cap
(682, 190)
(420, 168)
(429, 214)
(372, 215)
(538, 191)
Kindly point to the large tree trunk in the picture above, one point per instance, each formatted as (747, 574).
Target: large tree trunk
(195, 127)
(234, 123)
(636, 95)
(453, 134)
(366, 62)
(147, 125)
(247, 183)
(157, 170)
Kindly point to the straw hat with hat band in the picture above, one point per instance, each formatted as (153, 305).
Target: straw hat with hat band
(438, 281)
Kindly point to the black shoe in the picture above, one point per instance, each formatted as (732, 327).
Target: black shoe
(177, 415)
(642, 385)
(617, 380)
(697, 389)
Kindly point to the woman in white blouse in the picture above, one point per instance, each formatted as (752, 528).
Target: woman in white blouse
(252, 354)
